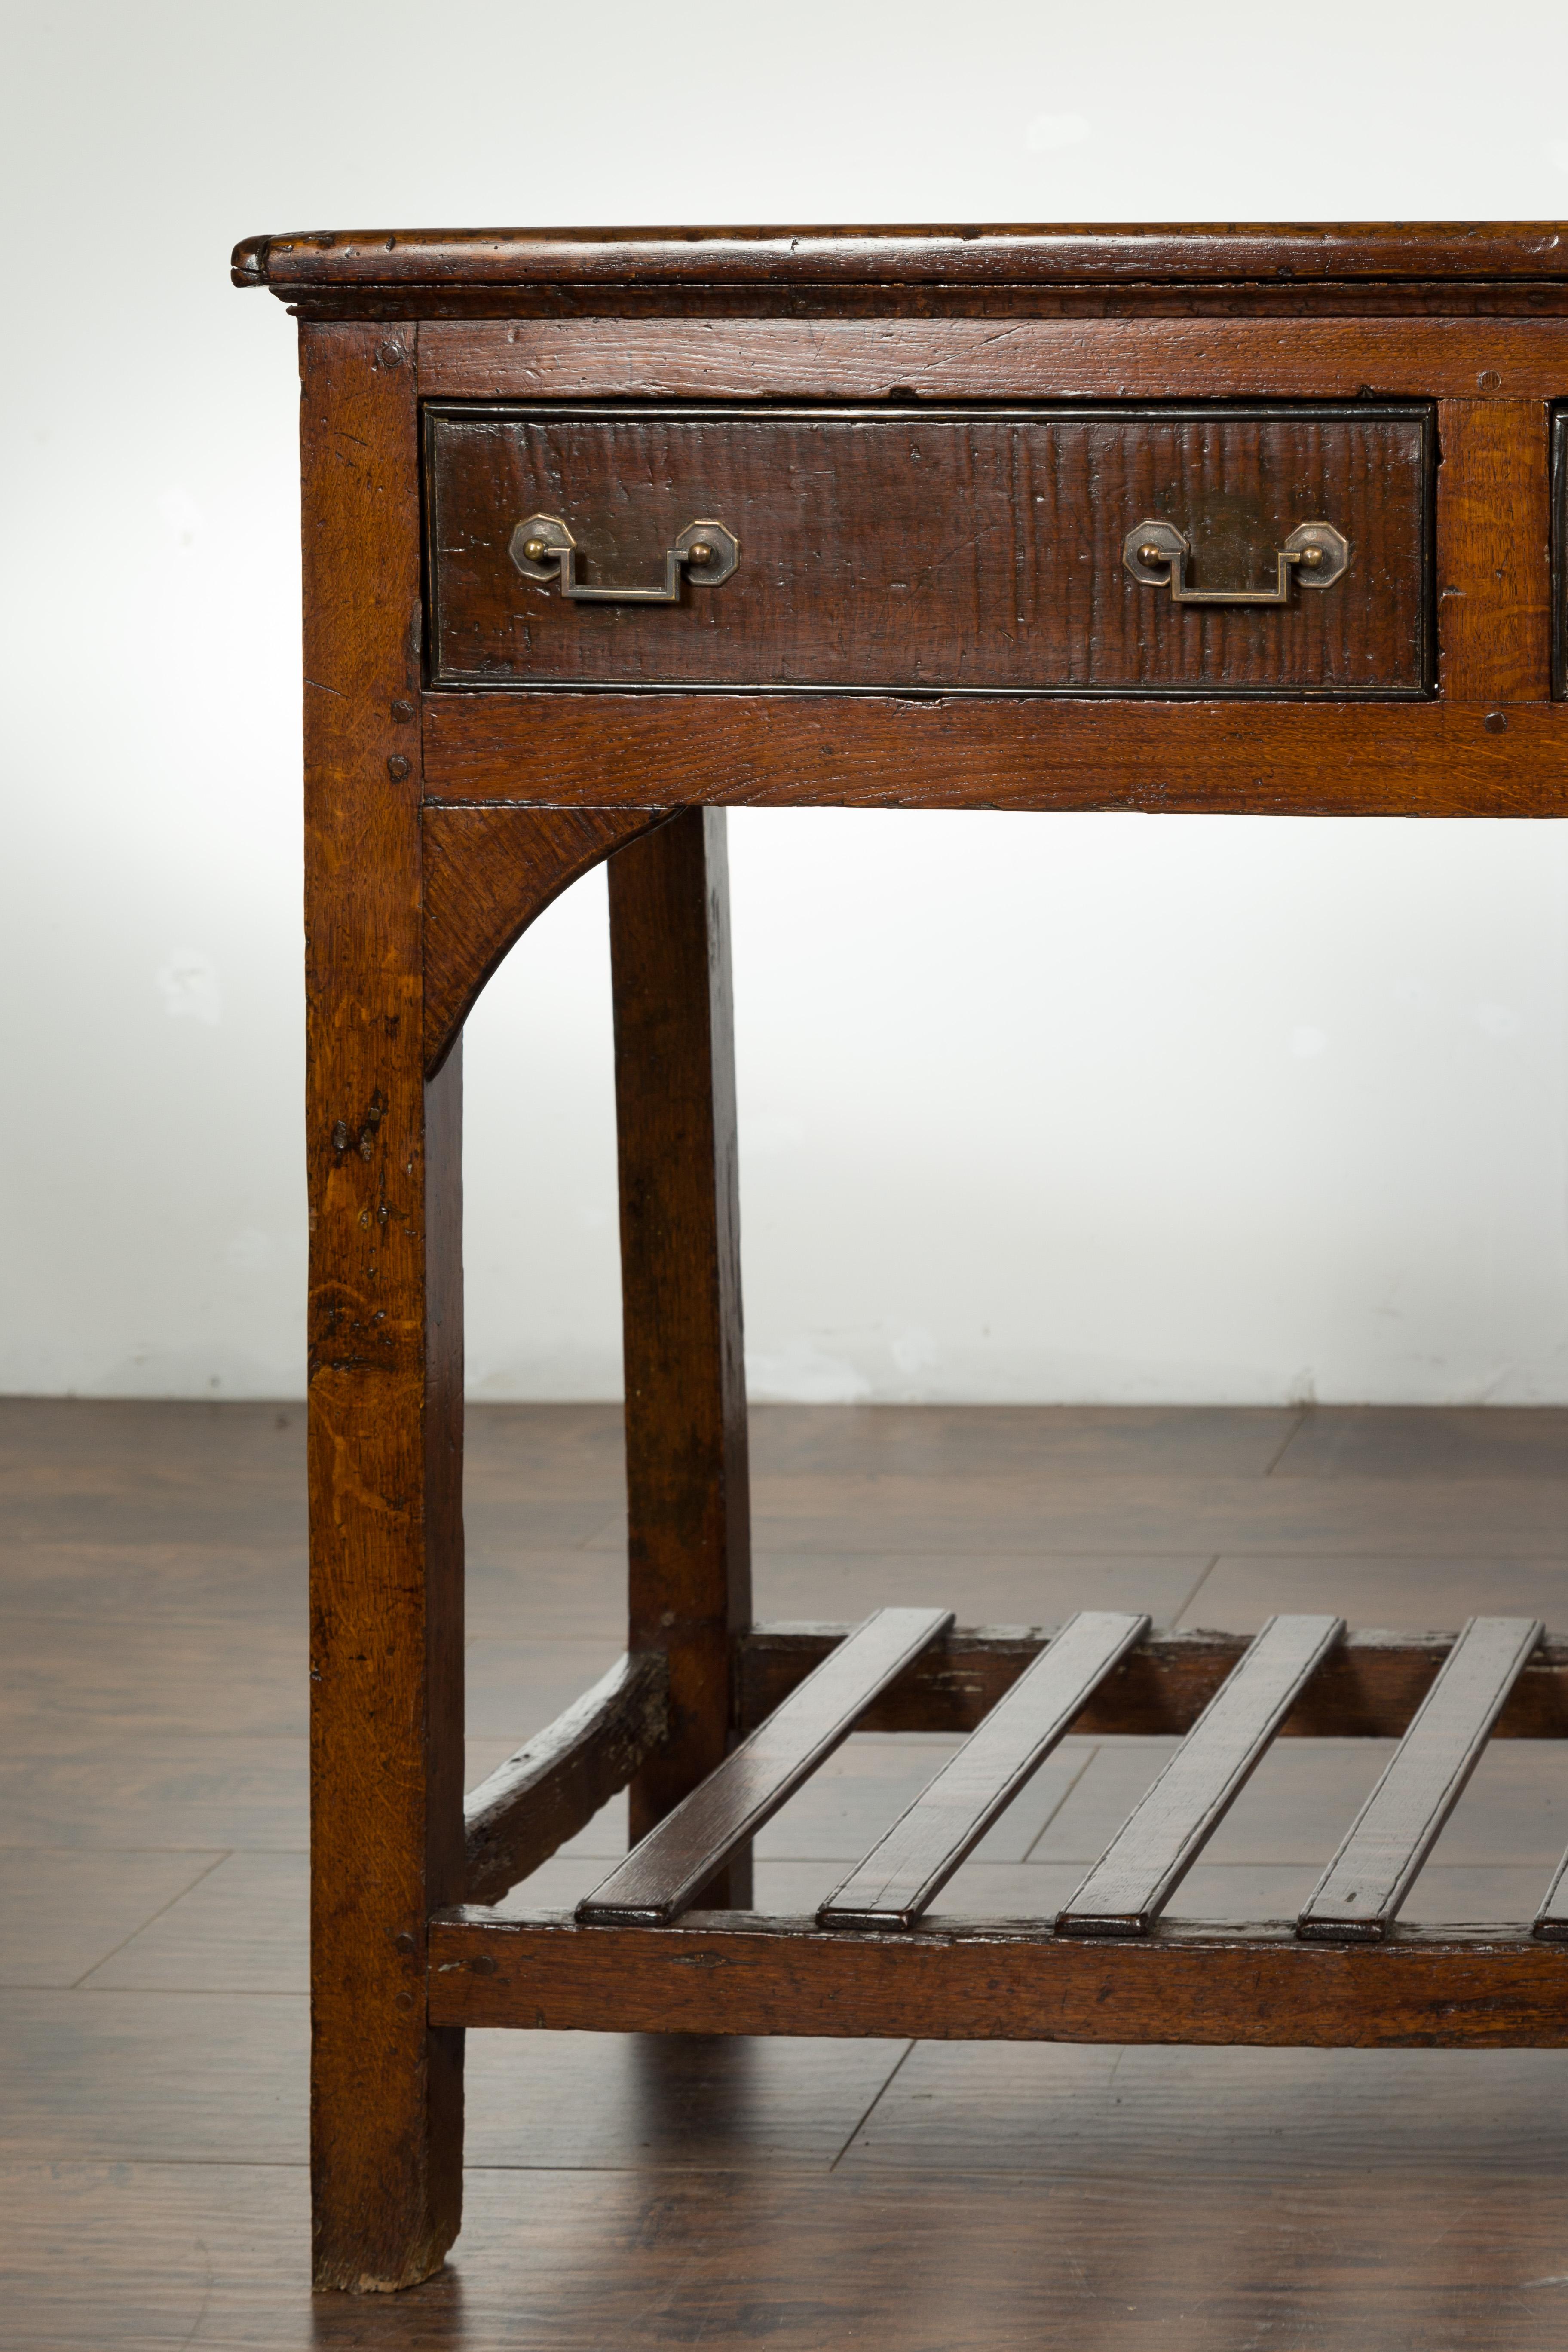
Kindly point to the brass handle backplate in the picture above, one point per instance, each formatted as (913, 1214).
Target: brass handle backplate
(543, 548)
(1157, 553)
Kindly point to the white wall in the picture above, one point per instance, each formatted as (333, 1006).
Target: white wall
(1049, 1108)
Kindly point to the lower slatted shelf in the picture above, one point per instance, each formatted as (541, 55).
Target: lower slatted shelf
(638, 1956)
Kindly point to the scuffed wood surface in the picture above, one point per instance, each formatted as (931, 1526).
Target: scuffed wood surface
(557, 1783)
(739, 1973)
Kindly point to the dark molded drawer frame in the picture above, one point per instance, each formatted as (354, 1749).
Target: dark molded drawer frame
(1421, 414)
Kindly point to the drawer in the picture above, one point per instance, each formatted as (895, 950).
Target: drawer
(952, 549)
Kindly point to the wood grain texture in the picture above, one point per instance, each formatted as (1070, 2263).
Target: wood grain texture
(1249, 357)
(1149, 1855)
(905, 1871)
(687, 1480)
(1364, 1886)
(1494, 557)
(798, 751)
(711, 1973)
(386, 1368)
(1370, 1687)
(405, 261)
(978, 550)
(685, 1851)
(527, 1807)
(488, 873)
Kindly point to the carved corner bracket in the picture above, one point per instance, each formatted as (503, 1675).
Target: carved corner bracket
(488, 872)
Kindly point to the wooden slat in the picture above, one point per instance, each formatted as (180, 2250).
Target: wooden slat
(679, 1857)
(1370, 1687)
(554, 1785)
(1134, 1880)
(734, 1973)
(899, 1879)
(1360, 1892)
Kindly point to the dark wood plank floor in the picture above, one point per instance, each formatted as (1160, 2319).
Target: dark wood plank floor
(796, 2195)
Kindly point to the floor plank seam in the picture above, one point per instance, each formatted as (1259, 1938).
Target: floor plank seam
(81, 1983)
(1088, 1757)
(1187, 1606)
(903, 2057)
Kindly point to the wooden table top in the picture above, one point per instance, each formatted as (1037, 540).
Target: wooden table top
(406, 262)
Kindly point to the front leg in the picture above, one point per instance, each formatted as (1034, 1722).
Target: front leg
(387, 1356)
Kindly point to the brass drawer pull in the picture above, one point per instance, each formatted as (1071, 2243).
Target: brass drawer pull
(1157, 553)
(543, 548)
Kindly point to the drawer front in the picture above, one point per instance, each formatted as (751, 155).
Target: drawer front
(991, 551)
